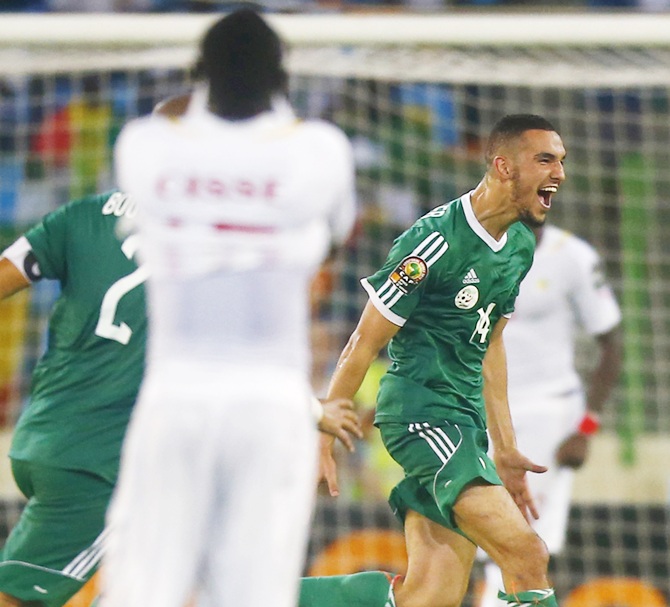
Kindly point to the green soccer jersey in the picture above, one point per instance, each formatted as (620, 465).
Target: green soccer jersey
(446, 282)
(85, 385)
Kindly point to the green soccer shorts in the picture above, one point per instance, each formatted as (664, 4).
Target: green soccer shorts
(439, 459)
(57, 544)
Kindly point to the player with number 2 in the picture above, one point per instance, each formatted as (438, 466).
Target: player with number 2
(65, 447)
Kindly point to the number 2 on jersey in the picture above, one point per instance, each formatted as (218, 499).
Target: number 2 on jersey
(106, 328)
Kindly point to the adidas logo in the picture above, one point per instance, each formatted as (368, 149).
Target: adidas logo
(471, 277)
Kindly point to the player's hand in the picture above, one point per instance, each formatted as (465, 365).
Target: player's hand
(327, 465)
(573, 450)
(512, 467)
(340, 420)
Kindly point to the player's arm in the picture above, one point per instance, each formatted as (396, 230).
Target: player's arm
(511, 464)
(598, 313)
(11, 279)
(337, 418)
(18, 268)
(574, 449)
(606, 373)
(372, 333)
(321, 286)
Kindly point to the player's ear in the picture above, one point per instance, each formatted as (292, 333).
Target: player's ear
(502, 167)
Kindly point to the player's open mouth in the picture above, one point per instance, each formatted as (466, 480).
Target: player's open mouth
(545, 195)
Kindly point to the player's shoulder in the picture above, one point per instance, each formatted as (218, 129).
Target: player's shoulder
(424, 226)
(326, 130)
(439, 217)
(520, 245)
(78, 207)
(139, 141)
(143, 131)
(432, 231)
(425, 238)
(322, 146)
(93, 202)
(141, 124)
(323, 131)
(522, 235)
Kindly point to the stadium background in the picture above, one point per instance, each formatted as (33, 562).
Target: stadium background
(417, 117)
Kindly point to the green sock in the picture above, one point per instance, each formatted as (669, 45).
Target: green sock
(367, 589)
(530, 598)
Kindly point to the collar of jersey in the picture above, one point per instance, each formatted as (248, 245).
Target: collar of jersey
(280, 112)
(478, 228)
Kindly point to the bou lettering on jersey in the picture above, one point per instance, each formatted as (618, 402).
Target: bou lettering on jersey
(120, 205)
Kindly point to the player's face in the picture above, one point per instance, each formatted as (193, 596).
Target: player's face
(538, 173)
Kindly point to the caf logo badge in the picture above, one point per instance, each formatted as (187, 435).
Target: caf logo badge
(410, 272)
(467, 297)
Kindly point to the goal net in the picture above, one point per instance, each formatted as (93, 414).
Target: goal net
(417, 95)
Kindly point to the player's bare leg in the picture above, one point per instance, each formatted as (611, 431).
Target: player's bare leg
(439, 565)
(488, 515)
(440, 560)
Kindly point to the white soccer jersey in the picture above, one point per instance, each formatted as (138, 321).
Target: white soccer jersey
(219, 463)
(235, 218)
(565, 291)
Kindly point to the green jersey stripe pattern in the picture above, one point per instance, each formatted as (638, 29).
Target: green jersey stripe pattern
(446, 283)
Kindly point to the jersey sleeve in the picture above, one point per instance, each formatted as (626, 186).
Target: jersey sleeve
(507, 309)
(595, 304)
(21, 255)
(48, 240)
(396, 289)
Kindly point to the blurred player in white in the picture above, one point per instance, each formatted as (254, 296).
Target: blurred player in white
(240, 205)
(564, 292)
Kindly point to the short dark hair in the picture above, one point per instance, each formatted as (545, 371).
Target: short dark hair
(241, 59)
(511, 127)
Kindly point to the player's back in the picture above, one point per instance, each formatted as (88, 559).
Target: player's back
(85, 385)
(235, 218)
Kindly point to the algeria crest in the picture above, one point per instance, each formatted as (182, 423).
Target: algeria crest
(467, 297)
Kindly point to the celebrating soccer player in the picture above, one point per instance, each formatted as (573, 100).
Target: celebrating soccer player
(441, 302)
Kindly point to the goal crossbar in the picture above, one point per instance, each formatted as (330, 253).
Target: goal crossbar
(541, 50)
(509, 29)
